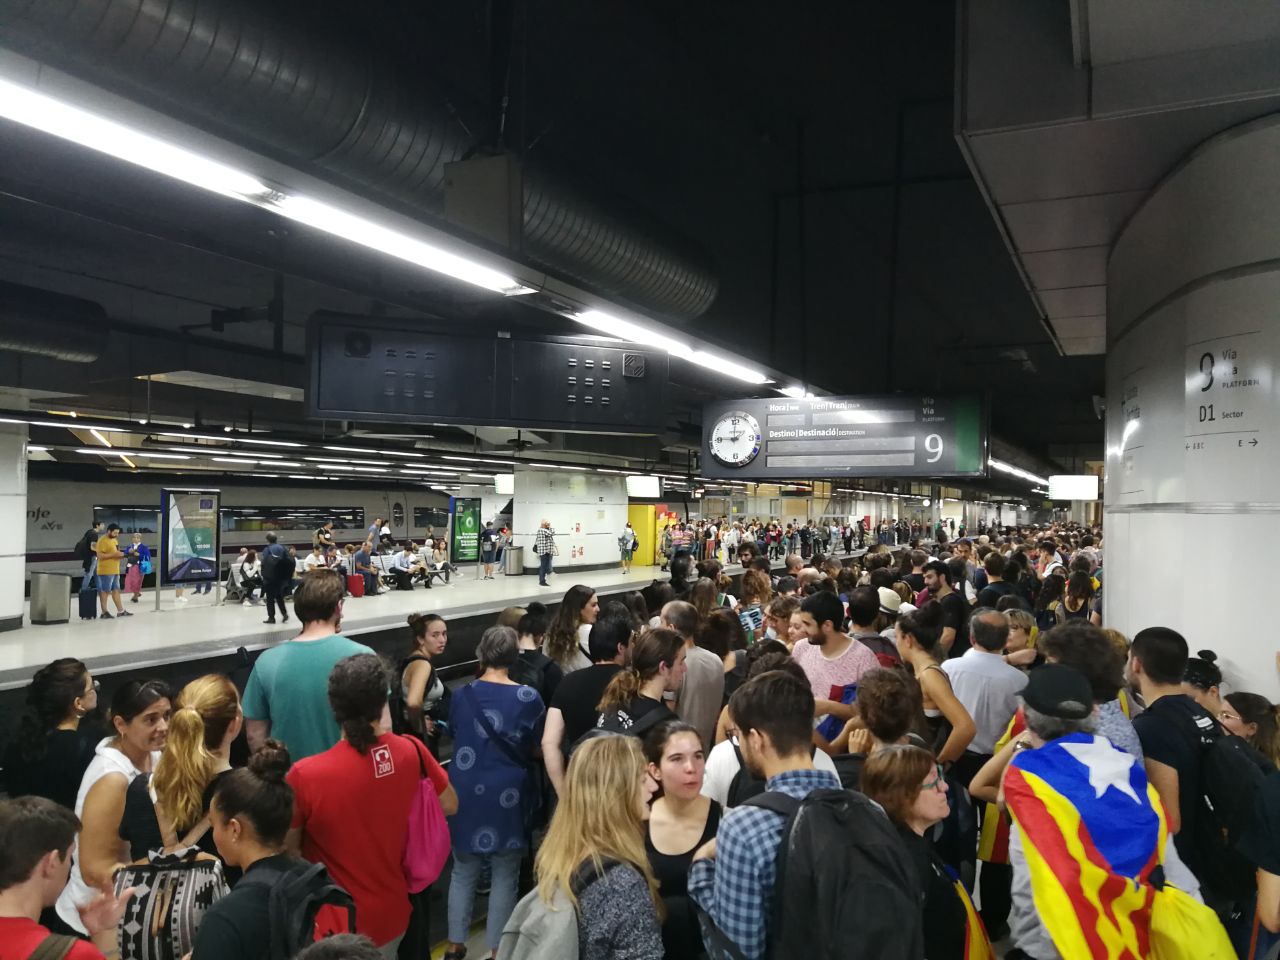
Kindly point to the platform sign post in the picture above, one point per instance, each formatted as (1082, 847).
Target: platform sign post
(464, 531)
(189, 538)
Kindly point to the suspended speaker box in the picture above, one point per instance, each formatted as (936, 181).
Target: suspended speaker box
(409, 371)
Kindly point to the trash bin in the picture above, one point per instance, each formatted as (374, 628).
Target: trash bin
(50, 598)
(513, 562)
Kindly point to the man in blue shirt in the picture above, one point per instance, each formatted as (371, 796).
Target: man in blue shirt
(732, 877)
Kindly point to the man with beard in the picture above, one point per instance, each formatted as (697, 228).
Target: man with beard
(955, 609)
(830, 658)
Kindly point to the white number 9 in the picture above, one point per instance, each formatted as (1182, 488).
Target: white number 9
(933, 444)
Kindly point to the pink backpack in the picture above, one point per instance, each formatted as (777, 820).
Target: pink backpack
(427, 845)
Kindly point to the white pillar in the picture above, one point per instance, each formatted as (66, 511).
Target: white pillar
(1193, 440)
(13, 520)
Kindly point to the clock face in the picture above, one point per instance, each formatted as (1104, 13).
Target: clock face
(735, 439)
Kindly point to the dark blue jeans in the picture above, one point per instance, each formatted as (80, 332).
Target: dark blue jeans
(544, 567)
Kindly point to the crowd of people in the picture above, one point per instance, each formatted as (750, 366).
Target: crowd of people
(919, 754)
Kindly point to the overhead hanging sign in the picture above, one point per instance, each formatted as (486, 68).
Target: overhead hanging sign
(827, 437)
(466, 529)
(189, 528)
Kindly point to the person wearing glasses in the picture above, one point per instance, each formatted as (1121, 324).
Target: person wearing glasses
(912, 787)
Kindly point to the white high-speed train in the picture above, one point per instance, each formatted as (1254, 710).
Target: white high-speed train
(60, 511)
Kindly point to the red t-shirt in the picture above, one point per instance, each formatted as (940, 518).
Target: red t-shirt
(20, 936)
(353, 810)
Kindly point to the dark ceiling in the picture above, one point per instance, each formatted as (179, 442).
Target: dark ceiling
(807, 148)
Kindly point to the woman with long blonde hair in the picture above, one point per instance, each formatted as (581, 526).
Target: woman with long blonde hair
(171, 810)
(594, 854)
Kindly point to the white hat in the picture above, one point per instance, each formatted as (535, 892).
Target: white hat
(890, 602)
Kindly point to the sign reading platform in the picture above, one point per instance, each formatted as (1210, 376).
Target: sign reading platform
(893, 436)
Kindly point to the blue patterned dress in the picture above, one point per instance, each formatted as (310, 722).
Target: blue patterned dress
(492, 790)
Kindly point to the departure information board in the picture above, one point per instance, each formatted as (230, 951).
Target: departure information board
(889, 436)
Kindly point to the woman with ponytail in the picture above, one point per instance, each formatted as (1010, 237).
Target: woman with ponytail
(632, 703)
(50, 753)
(169, 809)
(950, 727)
(352, 802)
(250, 811)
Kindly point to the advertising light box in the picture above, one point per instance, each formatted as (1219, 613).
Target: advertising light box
(874, 436)
(1066, 486)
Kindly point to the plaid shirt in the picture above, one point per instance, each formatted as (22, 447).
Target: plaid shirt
(736, 887)
(544, 541)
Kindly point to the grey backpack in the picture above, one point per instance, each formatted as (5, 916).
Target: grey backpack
(539, 930)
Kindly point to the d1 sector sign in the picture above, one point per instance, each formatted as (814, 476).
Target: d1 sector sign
(892, 436)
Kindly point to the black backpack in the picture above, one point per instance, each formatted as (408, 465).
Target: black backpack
(294, 897)
(533, 673)
(845, 884)
(1231, 773)
(81, 549)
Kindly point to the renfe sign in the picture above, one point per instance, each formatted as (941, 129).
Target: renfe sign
(831, 437)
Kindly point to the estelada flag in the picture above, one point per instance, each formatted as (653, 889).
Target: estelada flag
(993, 841)
(1092, 829)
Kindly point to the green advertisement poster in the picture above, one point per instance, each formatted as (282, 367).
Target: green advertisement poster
(190, 535)
(466, 529)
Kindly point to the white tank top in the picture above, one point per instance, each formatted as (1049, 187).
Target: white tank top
(106, 760)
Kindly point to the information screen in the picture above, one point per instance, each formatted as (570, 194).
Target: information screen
(466, 530)
(885, 436)
(190, 531)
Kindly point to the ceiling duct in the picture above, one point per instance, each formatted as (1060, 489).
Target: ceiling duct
(249, 73)
(44, 324)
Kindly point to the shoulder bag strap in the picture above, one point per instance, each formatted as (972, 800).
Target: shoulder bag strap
(53, 947)
(780, 803)
(500, 742)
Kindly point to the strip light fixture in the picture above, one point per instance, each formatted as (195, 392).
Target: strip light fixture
(607, 323)
(1017, 471)
(50, 115)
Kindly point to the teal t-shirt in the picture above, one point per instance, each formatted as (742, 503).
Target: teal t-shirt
(289, 687)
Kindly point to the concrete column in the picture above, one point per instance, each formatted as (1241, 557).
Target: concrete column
(1193, 440)
(586, 510)
(13, 520)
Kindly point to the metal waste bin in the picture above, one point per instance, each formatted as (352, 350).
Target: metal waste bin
(513, 561)
(50, 598)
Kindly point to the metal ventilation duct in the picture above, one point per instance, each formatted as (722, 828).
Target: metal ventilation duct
(44, 324)
(240, 70)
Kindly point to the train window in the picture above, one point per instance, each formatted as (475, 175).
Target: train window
(430, 517)
(245, 519)
(131, 519)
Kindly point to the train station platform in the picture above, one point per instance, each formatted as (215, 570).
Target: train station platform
(204, 629)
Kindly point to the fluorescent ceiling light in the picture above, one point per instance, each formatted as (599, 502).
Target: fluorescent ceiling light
(348, 226)
(223, 438)
(232, 460)
(505, 463)
(1017, 471)
(797, 393)
(730, 368)
(626, 330)
(128, 461)
(32, 448)
(101, 439)
(33, 109)
(376, 453)
(371, 469)
(133, 453)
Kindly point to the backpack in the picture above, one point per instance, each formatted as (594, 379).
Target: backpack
(845, 883)
(81, 549)
(1231, 773)
(272, 567)
(396, 701)
(533, 674)
(612, 728)
(538, 930)
(294, 899)
(744, 786)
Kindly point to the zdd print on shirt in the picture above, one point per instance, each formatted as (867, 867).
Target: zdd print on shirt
(383, 765)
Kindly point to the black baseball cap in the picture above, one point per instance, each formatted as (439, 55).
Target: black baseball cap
(1057, 690)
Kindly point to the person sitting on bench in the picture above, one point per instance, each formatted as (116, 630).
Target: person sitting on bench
(405, 566)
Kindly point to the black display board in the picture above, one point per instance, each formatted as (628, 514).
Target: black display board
(885, 436)
(403, 370)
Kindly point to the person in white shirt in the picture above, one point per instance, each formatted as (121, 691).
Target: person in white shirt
(249, 575)
(986, 686)
(313, 560)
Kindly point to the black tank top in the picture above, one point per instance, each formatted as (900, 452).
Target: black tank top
(681, 938)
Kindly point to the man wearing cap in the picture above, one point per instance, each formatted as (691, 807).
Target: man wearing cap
(864, 607)
(1088, 830)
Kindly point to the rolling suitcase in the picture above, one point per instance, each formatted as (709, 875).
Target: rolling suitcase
(355, 584)
(88, 605)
